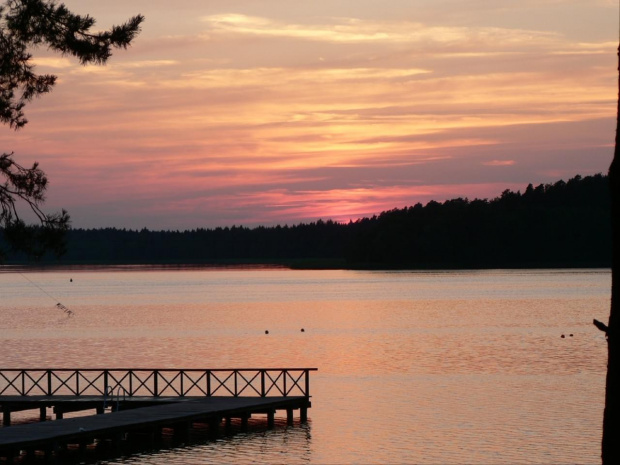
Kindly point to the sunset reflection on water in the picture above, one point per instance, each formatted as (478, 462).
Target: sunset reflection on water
(438, 367)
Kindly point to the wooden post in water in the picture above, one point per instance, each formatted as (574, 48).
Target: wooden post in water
(117, 442)
(48, 453)
(42, 413)
(6, 416)
(214, 426)
(154, 435)
(271, 419)
(289, 416)
(182, 431)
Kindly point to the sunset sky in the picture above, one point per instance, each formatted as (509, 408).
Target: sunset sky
(281, 111)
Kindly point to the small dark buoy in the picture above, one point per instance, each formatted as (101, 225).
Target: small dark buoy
(302, 330)
(570, 335)
(266, 332)
(562, 336)
(71, 280)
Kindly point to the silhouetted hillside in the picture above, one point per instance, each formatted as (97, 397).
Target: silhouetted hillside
(566, 224)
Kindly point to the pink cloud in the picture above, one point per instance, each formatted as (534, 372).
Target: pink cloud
(499, 163)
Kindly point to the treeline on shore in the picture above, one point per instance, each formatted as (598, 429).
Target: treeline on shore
(565, 224)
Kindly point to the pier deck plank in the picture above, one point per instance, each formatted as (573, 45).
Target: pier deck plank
(96, 426)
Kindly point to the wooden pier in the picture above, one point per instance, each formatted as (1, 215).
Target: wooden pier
(144, 400)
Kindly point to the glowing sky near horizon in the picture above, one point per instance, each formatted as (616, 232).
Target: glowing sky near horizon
(281, 111)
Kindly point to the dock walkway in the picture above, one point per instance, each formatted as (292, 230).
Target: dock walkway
(48, 435)
(145, 400)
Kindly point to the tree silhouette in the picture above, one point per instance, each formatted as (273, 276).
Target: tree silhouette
(25, 24)
(611, 417)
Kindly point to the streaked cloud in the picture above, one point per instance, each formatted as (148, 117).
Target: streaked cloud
(353, 30)
(53, 62)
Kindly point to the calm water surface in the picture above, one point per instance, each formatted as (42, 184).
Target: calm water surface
(414, 367)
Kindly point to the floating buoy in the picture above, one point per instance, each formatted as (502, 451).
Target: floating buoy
(562, 336)
(71, 280)
(303, 330)
(266, 332)
(570, 335)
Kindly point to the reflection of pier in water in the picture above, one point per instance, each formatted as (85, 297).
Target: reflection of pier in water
(141, 401)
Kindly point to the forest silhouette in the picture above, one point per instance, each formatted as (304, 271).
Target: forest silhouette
(565, 224)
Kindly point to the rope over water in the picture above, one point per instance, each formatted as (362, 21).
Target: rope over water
(58, 304)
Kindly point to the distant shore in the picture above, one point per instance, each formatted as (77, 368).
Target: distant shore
(317, 264)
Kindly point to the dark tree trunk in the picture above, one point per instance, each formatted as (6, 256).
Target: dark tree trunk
(611, 419)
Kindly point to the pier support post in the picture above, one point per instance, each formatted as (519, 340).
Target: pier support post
(271, 419)
(50, 452)
(289, 416)
(244, 423)
(117, 442)
(42, 413)
(55, 452)
(182, 431)
(154, 436)
(6, 416)
(214, 426)
(303, 414)
(100, 410)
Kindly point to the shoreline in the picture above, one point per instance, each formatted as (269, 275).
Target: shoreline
(302, 264)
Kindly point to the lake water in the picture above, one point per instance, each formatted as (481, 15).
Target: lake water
(414, 367)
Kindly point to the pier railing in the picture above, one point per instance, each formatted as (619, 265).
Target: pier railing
(234, 382)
